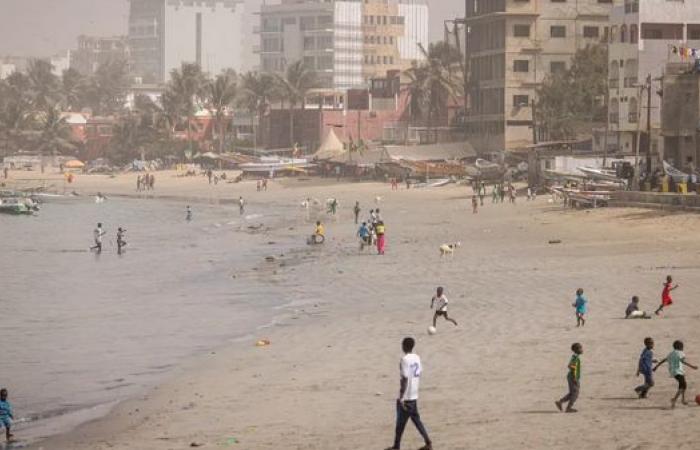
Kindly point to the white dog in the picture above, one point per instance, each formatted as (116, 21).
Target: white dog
(449, 249)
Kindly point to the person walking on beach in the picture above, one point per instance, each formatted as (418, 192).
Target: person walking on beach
(645, 367)
(241, 205)
(188, 213)
(581, 305)
(356, 210)
(482, 193)
(676, 361)
(666, 299)
(440, 302)
(121, 243)
(475, 205)
(98, 233)
(6, 415)
(410, 370)
(573, 379)
(494, 194)
(138, 183)
(381, 238)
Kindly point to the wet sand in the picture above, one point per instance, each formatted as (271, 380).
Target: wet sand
(329, 378)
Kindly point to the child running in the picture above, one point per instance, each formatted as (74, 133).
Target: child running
(646, 364)
(676, 361)
(440, 301)
(6, 416)
(573, 379)
(666, 299)
(581, 305)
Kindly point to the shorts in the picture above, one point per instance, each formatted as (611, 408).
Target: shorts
(648, 379)
(681, 382)
(6, 422)
(442, 312)
(667, 301)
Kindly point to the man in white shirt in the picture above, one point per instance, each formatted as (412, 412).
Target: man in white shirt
(440, 303)
(99, 232)
(407, 403)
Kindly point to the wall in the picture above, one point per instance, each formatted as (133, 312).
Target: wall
(416, 15)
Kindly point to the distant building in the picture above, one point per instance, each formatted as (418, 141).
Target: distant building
(165, 33)
(60, 62)
(6, 69)
(347, 42)
(680, 116)
(94, 51)
(642, 37)
(512, 46)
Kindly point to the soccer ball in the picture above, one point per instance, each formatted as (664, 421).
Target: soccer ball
(433, 330)
(697, 399)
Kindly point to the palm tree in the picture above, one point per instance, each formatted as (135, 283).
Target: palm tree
(16, 115)
(294, 86)
(107, 88)
(43, 84)
(220, 94)
(72, 89)
(54, 133)
(435, 81)
(259, 89)
(186, 84)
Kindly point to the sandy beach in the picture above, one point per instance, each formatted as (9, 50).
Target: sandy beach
(329, 379)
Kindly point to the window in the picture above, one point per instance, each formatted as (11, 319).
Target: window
(591, 32)
(557, 67)
(521, 65)
(623, 34)
(520, 101)
(633, 113)
(557, 31)
(521, 31)
(309, 43)
(634, 34)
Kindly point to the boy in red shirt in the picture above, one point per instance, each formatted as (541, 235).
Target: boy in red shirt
(666, 299)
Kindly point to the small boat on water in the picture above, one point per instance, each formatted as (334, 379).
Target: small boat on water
(16, 206)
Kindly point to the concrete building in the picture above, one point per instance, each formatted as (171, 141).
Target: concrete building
(6, 69)
(680, 116)
(642, 36)
(165, 33)
(94, 51)
(347, 42)
(61, 62)
(512, 46)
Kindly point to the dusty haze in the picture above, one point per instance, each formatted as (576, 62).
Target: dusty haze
(46, 27)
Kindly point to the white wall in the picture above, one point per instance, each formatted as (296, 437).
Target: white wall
(416, 29)
(348, 45)
(223, 36)
(6, 70)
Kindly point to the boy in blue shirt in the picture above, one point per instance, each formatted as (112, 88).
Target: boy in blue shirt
(581, 305)
(6, 414)
(646, 368)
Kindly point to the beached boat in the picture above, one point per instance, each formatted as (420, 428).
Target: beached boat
(267, 165)
(599, 174)
(16, 206)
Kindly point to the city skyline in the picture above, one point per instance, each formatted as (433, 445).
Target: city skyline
(40, 28)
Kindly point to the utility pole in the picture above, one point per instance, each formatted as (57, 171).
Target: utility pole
(533, 106)
(648, 124)
(635, 183)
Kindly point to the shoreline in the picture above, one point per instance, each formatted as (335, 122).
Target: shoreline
(328, 379)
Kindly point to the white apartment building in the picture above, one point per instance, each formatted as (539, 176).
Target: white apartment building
(642, 36)
(346, 42)
(513, 45)
(165, 33)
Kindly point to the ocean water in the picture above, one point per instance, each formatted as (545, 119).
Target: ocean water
(80, 331)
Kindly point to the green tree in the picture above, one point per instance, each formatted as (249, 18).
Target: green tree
(569, 103)
(434, 81)
(43, 84)
(219, 95)
(72, 90)
(294, 86)
(107, 88)
(16, 114)
(53, 133)
(258, 91)
(186, 89)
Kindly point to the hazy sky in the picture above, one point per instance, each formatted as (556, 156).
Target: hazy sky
(46, 27)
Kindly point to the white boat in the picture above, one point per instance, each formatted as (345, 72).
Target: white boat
(599, 174)
(269, 164)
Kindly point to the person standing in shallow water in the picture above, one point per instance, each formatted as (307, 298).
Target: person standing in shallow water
(241, 205)
(98, 233)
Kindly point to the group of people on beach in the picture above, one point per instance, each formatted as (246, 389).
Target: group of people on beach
(145, 182)
(372, 231)
(676, 359)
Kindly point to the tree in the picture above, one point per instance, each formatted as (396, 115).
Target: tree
(53, 133)
(43, 84)
(219, 95)
(294, 86)
(72, 90)
(569, 102)
(16, 114)
(186, 89)
(435, 81)
(106, 89)
(258, 91)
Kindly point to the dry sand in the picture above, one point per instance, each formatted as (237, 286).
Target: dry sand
(330, 377)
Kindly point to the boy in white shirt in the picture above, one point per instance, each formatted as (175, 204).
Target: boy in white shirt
(407, 403)
(440, 303)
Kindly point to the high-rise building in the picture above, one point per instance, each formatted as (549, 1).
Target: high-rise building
(512, 46)
(165, 33)
(347, 42)
(94, 51)
(642, 37)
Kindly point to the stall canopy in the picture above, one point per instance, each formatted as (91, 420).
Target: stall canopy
(450, 151)
(331, 147)
(74, 164)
